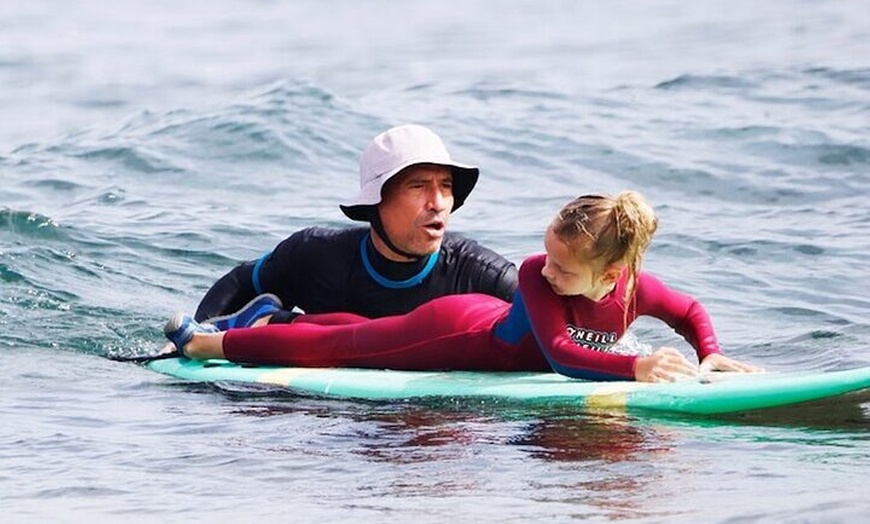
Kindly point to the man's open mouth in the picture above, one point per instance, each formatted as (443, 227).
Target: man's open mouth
(434, 227)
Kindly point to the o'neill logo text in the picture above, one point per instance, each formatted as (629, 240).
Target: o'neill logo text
(601, 340)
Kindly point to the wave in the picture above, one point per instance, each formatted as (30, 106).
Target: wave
(761, 79)
(28, 225)
(291, 124)
(859, 77)
(702, 82)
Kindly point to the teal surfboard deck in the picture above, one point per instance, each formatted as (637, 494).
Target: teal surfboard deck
(713, 394)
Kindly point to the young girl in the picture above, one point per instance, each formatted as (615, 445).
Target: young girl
(572, 306)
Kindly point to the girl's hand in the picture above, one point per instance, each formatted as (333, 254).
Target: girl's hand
(665, 365)
(719, 362)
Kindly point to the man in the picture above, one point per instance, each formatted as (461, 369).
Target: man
(409, 186)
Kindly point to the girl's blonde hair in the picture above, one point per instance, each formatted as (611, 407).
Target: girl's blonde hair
(608, 230)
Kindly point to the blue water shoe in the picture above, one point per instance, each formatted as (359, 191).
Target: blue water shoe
(181, 328)
(257, 308)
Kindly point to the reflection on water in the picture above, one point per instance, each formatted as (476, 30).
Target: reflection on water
(453, 449)
(624, 465)
(593, 437)
(544, 432)
(613, 458)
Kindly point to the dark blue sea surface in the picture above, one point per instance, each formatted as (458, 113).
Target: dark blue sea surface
(147, 147)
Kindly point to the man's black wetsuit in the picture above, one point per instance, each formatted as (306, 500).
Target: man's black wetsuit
(321, 270)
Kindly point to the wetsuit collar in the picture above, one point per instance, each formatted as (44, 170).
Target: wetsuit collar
(386, 282)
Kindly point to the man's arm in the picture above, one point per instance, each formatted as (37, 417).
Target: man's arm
(277, 272)
(505, 283)
(229, 293)
(490, 273)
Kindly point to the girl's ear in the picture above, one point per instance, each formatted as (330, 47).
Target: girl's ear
(612, 274)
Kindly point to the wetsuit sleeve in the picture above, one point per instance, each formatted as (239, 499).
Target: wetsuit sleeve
(683, 313)
(549, 316)
(275, 272)
(480, 269)
(228, 294)
(504, 284)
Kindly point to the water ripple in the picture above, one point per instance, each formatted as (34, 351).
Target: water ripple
(706, 82)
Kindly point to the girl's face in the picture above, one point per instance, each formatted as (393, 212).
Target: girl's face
(569, 276)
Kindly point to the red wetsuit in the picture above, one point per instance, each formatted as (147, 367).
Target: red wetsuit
(538, 331)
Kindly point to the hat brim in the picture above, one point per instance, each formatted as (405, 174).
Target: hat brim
(362, 209)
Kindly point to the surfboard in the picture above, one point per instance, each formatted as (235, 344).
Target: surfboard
(714, 393)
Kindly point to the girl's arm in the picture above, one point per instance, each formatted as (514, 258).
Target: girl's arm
(688, 318)
(680, 311)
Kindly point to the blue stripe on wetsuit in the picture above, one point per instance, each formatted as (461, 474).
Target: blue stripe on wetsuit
(395, 284)
(255, 274)
(516, 325)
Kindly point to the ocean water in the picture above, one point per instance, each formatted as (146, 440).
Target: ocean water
(147, 147)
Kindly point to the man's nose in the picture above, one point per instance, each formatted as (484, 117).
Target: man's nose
(439, 198)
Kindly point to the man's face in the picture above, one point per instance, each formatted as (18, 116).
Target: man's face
(415, 208)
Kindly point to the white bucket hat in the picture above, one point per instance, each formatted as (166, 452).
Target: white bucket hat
(394, 150)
